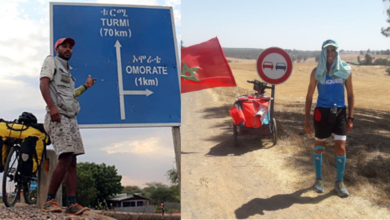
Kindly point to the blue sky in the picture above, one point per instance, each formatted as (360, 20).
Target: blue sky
(301, 25)
(140, 155)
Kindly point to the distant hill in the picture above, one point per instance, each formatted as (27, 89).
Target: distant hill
(301, 55)
(242, 53)
(252, 53)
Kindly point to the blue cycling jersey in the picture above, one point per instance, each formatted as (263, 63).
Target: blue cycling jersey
(331, 92)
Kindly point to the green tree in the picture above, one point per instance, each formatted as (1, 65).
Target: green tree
(87, 192)
(386, 31)
(368, 59)
(158, 192)
(173, 176)
(94, 181)
(106, 179)
(383, 62)
(131, 189)
(175, 192)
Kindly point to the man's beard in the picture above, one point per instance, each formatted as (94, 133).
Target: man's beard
(62, 55)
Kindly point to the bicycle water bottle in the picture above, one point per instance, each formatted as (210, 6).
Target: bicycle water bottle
(334, 109)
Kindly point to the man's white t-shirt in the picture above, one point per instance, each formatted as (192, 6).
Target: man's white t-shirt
(48, 68)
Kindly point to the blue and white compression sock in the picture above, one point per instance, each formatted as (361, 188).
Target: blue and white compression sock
(318, 161)
(341, 160)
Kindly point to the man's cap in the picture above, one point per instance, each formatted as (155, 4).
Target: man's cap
(330, 43)
(62, 40)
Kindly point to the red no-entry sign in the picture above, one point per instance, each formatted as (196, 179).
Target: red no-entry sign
(274, 66)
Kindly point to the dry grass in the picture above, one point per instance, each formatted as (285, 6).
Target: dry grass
(241, 61)
(368, 152)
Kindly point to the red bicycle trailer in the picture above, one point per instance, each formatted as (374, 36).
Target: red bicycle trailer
(253, 114)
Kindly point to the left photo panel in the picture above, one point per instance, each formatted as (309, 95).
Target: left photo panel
(91, 114)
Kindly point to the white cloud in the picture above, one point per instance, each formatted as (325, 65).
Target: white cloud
(174, 3)
(30, 97)
(177, 15)
(22, 46)
(149, 146)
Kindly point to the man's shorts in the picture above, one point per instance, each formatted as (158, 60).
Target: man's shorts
(65, 136)
(324, 129)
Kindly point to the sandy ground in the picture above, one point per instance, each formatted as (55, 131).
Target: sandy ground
(257, 179)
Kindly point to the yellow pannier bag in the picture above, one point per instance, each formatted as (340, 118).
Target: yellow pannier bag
(33, 141)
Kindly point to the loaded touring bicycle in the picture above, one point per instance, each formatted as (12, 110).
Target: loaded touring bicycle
(23, 144)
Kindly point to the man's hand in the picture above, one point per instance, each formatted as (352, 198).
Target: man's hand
(308, 128)
(55, 114)
(349, 125)
(90, 82)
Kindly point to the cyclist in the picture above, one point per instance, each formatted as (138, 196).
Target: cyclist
(57, 87)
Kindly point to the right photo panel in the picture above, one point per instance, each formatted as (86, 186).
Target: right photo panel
(285, 109)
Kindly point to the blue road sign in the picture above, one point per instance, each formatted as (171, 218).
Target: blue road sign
(132, 52)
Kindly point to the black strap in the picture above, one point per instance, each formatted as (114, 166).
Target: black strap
(1, 153)
(36, 156)
(14, 129)
(43, 156)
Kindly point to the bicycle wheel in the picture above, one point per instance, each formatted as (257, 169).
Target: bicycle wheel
(11, 186)
(30, 190)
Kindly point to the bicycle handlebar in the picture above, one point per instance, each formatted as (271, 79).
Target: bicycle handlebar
(244, 100)
(258, 82)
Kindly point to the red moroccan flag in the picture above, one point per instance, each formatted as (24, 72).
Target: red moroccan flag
(205, 66)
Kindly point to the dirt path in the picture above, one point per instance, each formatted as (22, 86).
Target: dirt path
(251, 181)
(24, 211)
